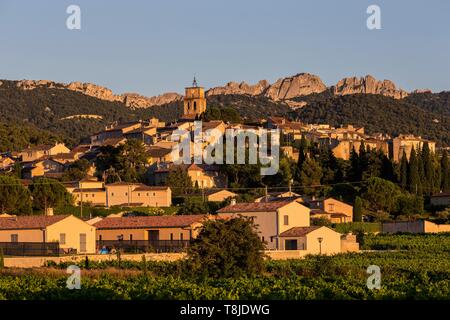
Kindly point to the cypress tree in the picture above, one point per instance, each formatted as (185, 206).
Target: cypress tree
(421, 168)
(355, 173)
(387, 167)
(445, 173)
(428, 178)
(403, 171)
(357, 210)
(413, 173)
(303, 149)
(363, 158)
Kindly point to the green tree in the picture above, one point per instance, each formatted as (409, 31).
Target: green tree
(381, 194)
(428, 178)
(302, 155)
(49, 193)
(408, 205)
(358, 210)
(14, 197)
(414, 184)
(76, 171)
(311, 173)
(403, 171)
(179, 181)
(226, 249)
(355, 173)
(128, 160)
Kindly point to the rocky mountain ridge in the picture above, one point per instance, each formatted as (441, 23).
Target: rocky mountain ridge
(131, 100)
(283, 90)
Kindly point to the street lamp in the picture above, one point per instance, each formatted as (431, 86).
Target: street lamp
(320, 239)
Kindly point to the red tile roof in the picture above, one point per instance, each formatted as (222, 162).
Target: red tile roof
(151, 188)
(299, 231)
(148, 222)
(29, 222)
(255, 206)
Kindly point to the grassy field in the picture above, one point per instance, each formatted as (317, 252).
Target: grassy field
(419, 268)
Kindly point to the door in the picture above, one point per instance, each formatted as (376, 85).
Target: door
(83, 242)
(153, 235)
(290, 245)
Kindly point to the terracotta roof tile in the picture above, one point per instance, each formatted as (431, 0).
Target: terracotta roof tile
(148, 222)
(299, 231)
(254, 206)
(29, 222)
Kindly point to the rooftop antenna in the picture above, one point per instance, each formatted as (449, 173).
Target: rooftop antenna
(194, 83)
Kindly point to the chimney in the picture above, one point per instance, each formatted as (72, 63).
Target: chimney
(233, 202)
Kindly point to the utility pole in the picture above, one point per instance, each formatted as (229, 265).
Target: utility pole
(81, 202)
(129, 195)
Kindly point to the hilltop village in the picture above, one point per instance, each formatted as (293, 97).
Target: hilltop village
(126, 187)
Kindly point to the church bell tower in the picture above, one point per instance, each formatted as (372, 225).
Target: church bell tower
(194, 100)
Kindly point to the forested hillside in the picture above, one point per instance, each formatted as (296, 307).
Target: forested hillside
(381, 114)
(23, 112)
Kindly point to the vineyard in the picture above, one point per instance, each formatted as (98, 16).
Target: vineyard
(417, 268)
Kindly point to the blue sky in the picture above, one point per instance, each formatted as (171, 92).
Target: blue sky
(157, 46)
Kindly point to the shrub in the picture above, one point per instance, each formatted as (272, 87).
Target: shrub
(226, 248)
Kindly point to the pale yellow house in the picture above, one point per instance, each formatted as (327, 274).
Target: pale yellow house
(334, 210)
(6, 163)
(123, 194)
(405, 143)
(202, 176)
(271, 218)
(137, 195)
(313, 239)
(40, 168)
(69, 231)
(152, 228)
(37, 152)
(89, 190)
(219, 195)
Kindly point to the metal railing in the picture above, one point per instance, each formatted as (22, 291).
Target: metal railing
(26, 249)
(143, 246)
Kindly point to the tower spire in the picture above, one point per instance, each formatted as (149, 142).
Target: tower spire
(194, 83)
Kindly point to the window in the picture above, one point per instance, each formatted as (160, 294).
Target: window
(126, 193)
(262, 239)
(93, 195)
(147, 194)
(62, 238)
(83, 242)
(286, 220)
(112, 194)
(181, 236)
(290, 245)
(100, 238)
(171, 236)
(331, 207)
(154, 194)
(139, 194)
(271, 239)
(131, 237)
(14, 238)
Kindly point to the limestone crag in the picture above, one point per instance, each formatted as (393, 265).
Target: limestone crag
(301, 84)
(368, 85)
(240, 88)
(131, 100)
